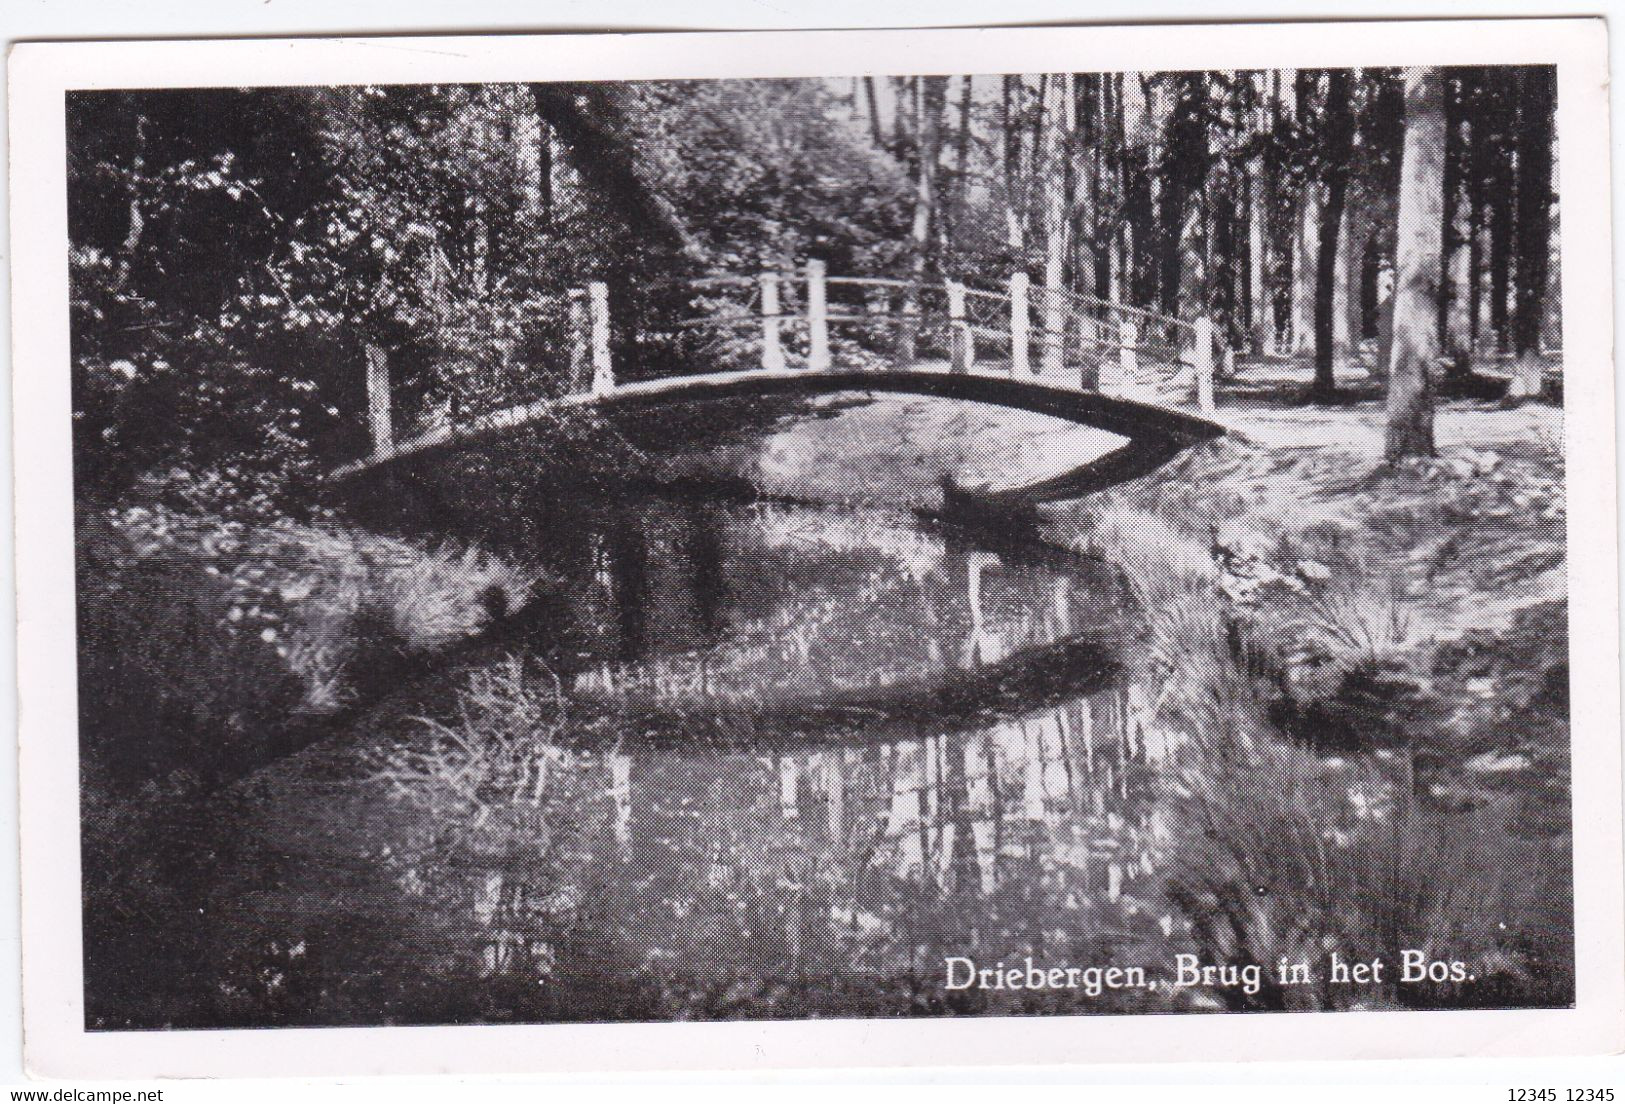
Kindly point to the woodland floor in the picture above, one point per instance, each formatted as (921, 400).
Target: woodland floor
(1447, 574)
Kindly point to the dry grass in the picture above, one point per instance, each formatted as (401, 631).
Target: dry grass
(1286, 854)
(1305, 582)
(494, 752)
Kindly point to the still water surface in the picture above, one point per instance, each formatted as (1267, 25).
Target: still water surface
(794, 758)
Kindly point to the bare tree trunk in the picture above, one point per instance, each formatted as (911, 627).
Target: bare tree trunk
(876, 132)
(1458, 277)
(1338, 152)
(1420, 249)
(1305, 236)
(928, 127)
(902, 113)
(543, 166)
(1052, 175)
(1536, 103)
(955, 198)
(1183, 177)
(137, 220)
(1011, 127)
(1307, 226)
(1082, 154)
(1455, 294)
(1035, 147)
(1258, 312)
(1501, 199)
(1343, 289)
(962, 161)
(1475, 276)
(1356, 238)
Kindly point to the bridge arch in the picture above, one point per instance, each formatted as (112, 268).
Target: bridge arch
(1155, 421)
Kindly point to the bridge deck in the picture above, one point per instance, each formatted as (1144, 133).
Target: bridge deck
(1154, 430)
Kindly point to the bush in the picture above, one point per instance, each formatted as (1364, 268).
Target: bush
(205, 642)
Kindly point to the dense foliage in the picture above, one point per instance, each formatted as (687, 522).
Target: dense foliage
(233, 252)
(236, 252)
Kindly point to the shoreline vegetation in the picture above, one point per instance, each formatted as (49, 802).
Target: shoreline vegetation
(1364, 662)
(1369, 663)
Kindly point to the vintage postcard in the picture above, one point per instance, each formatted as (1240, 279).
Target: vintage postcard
(847, 548)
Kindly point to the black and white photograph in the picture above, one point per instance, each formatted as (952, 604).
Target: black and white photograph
(892, 543)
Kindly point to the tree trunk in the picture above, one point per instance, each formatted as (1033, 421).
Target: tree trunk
(1305, 236)
(1535, 106)
(1139, 202)
(1343, 286)
(928, 129)
(1458, 281)
(1009, 124)
(962, 166)
(956, 209)
(1338, 152)
(1501, 198)
(1475, 276)
(899, 117)
(1052, 173)
(1258, 310)
(1306, 228)
(876, 131)
(1455, 293)
(137, 221)
(1082, 153)
(1184, 174)
(1420, 248)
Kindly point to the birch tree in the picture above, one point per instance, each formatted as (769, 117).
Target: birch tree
(1420, 251)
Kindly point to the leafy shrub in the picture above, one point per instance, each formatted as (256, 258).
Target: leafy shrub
(204, 641)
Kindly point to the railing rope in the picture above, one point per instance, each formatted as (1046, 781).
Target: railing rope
(772, 347)
(603, 372)
(817, 318)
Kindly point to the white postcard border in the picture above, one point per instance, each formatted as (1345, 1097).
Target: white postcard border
(56, 1043)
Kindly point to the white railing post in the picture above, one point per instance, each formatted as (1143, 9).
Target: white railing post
(1020, 320)
(1128, 367)
(817, 318)
(579, 340)
(772, 348)
(1053, 355)
(603, 373)
(961, 342)
(1204, 364)
(380, 424)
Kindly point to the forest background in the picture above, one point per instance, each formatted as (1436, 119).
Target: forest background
(236, 253)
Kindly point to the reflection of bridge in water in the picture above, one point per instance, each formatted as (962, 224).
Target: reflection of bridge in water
(1035, 833)
(772, 837)
(813, 748)
(684, 604)
(1144, 376)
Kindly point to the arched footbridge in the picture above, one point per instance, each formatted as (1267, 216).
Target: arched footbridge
(1144, 376)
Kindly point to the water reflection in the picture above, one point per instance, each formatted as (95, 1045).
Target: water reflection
(808, 755)
(773, 605)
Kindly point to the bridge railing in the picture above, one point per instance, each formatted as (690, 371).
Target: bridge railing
(798, 321)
